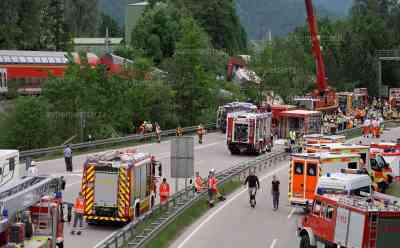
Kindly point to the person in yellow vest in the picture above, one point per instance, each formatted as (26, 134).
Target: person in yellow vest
(79, 209)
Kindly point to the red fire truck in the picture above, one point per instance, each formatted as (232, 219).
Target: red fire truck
(249, 132)
(351, 221)
(119, 186)
(301, 121)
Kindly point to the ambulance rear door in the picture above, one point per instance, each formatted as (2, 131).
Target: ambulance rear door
(311, 179)
(298, 178)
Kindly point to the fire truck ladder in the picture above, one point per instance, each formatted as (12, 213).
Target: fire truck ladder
(28, 191)
(373, 220)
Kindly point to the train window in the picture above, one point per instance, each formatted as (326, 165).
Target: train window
(14, 59)
(51, 60)
(7, 59)
(22, 59)
(44, 60)
(1, 59)
(29, 59)
(58, 60)
(37, 59)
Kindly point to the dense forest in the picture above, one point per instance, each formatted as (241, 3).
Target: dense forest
(257, 16)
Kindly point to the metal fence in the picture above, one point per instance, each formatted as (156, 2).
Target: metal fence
(101, 143)
(160, 216)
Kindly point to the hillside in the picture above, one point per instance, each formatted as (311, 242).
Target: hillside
(257, 16)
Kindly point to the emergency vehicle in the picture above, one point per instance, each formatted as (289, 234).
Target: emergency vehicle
(307, 168)
(336, 220)
(323, 139)
(27, 202)
(375, 163)
(232, 107)
(301, 121)
(277, 111)
(394, 99)
(118, 186)
(347, 182)
(249, 132)
(349, 102)
(9, 169)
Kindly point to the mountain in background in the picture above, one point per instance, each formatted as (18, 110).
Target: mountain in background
(258, 16)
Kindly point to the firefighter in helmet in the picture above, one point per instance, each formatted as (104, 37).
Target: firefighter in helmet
(200, 132)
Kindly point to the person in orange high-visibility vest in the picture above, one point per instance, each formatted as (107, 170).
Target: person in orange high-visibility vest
(366, 128)
(79, 208)
(198, 183)
(164, 191)
(212, 187)
(375, 128)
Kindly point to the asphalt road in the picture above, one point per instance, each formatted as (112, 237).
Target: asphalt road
(213, 153)
(234, 224)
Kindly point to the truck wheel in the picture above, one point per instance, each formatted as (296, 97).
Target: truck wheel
(305, 241)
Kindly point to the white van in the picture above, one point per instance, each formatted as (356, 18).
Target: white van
(344, 183)
(10, 169)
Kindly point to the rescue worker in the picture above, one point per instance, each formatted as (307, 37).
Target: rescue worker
(292, 137)
(200, 132)
(164, 191)
(33, 171)
(142, 128)
(198, 183)
(78, 206)
(212, 187)
(375, 127)
(179, 131)
(158, 132)
(366, 127)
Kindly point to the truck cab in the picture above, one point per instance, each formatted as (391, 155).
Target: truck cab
(10, 169)
(336, 220)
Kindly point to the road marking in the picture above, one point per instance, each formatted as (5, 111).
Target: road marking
(273, 243)
(270, 174)
(291, 213)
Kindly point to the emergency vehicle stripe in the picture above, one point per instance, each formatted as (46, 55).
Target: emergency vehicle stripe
(89, 191)
(123, 192)
(105, 218)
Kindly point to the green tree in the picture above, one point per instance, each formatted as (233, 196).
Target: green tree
(27, 125)
(107, 21)
(157, 31)
(195, 88)
(82, 17)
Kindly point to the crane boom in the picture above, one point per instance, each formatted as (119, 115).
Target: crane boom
(316, 47)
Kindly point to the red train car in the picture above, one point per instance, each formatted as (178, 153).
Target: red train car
(31, 68)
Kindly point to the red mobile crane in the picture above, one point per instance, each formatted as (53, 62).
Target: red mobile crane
(323, 98)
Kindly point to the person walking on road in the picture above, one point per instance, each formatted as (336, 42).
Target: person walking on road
(158, 132)
(275, 192)
(254, 184)
(68, 158)
(79, 205)
(164, 191)
(211, 187)
(33, 171)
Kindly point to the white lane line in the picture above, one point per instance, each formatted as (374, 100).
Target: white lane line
(291, 213)
(273, 243)
(204, 222)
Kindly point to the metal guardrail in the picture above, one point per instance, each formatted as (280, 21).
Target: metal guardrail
(112, 141)
(160, 216)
